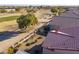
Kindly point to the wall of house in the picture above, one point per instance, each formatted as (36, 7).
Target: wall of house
(46, 51)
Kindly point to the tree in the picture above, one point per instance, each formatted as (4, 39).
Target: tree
(25, 21)
(57, 11)
(31, 17)
(22, 22)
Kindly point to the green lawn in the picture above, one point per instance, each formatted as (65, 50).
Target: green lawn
(9, 18)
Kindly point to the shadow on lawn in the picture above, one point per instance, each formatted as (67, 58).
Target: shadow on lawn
(7, 35)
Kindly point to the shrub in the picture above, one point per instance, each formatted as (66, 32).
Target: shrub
(10, 50)
(32, 42)
(39, 38)
(28, 44)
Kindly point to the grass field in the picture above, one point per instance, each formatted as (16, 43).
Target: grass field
(9, 18)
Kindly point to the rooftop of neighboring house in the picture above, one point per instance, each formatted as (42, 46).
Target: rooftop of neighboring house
(68, 23)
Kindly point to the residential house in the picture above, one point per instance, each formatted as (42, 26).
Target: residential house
(64, 39)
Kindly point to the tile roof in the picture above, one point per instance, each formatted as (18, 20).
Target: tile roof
(65, 22)
(68, 25)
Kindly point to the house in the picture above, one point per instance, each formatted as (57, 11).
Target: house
(66, 39)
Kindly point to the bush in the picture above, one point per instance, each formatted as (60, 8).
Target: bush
(39, 38)
(29, 43)
(34, 42)
(10, 50)
(18, 45)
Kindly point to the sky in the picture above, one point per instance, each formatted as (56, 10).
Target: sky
(40, 2)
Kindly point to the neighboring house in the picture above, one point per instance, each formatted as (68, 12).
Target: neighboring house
(58, 43)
